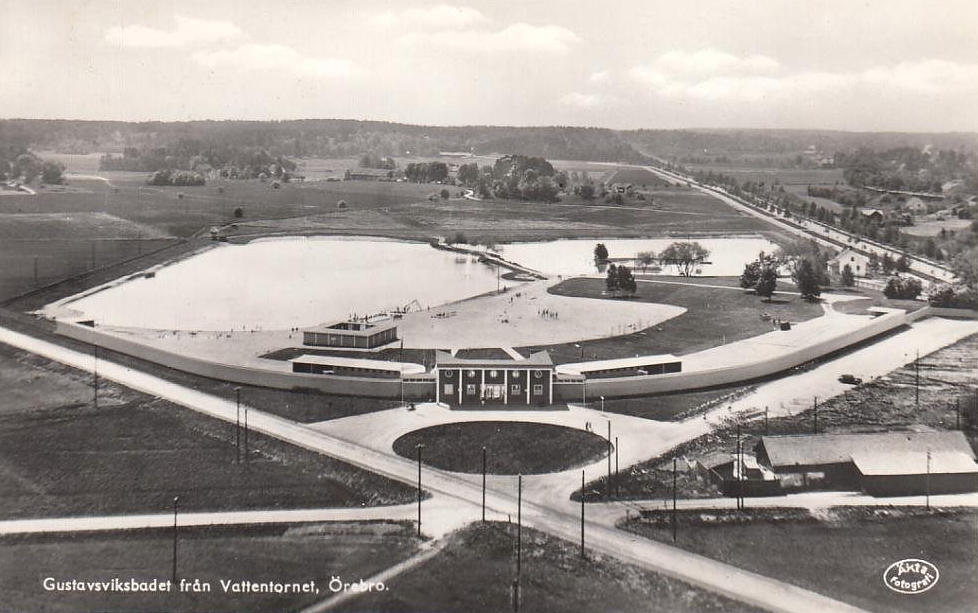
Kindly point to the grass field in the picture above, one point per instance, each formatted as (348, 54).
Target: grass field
(514, 447)
(61, 456)
(844, 554)
(714, 316)
(789, 176)
(474, 572)
(949, 380)
(287, 554)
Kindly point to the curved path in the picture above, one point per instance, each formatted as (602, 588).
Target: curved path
(561, 521)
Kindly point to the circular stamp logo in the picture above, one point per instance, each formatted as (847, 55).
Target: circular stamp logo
(911, 576)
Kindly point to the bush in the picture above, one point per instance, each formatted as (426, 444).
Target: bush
(953, 296)
(239, 212)
(902, 287)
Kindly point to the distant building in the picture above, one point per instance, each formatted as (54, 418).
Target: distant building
(351, 334)
(915, 206)
(858, 263)
(875, 214)
(475, 382)
(909, 473)
(353, 367)
(882, 461)
(625, 367)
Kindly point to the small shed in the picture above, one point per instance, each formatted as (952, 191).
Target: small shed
(916, 473)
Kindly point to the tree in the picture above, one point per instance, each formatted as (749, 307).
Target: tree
(902, 287)
(51, 172)
(645, 259)
(806, 278)
(903, 264)
(444, 194)
(685, 256)
(751, 275)
(601, 253)
(848, 279)
(586, 191)
(611, 281)
(626, 282)
(238, 212)
(767, 282)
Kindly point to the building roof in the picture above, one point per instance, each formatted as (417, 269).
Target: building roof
(848, 252)
(913, 463)
(578, 368)
(840, 448)
(407, 368)
(716, 458)
(540, 358)
(367, 327)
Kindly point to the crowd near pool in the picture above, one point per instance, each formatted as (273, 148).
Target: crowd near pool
(282, 283)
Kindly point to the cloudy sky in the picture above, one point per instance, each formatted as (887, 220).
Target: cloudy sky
(851, 65)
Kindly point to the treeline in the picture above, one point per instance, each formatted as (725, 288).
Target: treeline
(200, 157)
(20, 164)
(324, 138)
(514, 177)
(909, 169)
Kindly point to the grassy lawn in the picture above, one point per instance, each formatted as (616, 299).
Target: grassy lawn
(474, 572)
(713, 316)
(947, 376)
(287, 554)
(673, 407)
(842, 555)
(61, 456)
(514, 447)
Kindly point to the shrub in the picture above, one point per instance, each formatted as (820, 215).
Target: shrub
(902, 287)
(953, 296)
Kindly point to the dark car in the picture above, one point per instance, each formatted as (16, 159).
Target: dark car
(850, 379)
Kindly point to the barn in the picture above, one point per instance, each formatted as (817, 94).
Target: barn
(494, 383)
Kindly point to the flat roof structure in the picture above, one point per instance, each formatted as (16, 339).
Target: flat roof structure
(914, 463)
(407, 368)
(535, 360)
(820, 449)
(350, 334)
(631, 363)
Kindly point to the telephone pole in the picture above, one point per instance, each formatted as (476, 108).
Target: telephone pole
(483, 483)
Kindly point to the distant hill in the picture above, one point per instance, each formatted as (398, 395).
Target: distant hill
(344, 137)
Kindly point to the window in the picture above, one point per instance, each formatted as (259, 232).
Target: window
(449, 389)
(514, 389)
(470, 389)
(538, 390)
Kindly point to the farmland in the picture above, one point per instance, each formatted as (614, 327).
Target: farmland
(286, 554)
(842, 553)
(59, 455)
(480, 561)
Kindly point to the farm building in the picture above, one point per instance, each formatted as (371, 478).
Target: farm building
(827, 460)
(915, 206)
(908, 473)
(737, 476)
(625, 367)
(858, 262)
(475, 382)
(874, 214)
(353, 367)
(350, 334)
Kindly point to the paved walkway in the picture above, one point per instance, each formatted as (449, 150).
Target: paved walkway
(710, 574)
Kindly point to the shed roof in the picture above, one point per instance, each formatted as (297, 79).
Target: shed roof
(840, 448)
(914, 463)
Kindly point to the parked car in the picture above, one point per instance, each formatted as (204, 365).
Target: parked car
(849, 379)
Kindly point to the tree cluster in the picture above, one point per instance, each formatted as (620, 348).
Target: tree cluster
(20, 164)
(902, 287)
(375, 161)
(685, 256)
(620, 280)
(175, 177)
(426, 172)
(761, 275)
(959, 296)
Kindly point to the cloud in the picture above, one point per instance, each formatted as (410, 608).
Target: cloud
(276, 57)
(717, 76)
(187, 31)
(441, 16)
(599, 77)
(517, 37)
(582, 101)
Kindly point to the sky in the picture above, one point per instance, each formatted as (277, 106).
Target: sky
(858, 65)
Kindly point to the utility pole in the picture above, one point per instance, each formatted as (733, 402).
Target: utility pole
(237, 425)
(519, 526)
(246, 434)
(617, 480)
(582, 515)
(928, 480)
(608, 488)
(419, 447)
(916, 384)
(674, 500)
(737, 468)
(95, 381)
(815, 422)
(176, 500)
(401, 368)
(957, 413)
(483, 483)
(765, 420)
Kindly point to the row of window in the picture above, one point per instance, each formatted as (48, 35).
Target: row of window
(492, 391)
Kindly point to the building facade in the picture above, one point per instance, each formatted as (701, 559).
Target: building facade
(494, 383)
(350, 334)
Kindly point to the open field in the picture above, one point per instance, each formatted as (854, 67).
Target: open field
(474, 572)
(639, 177)
(784, 176)
(842, 553)
(948, 383)
(61, 456)
(713, 316)
(287, 554)
(520, 447)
